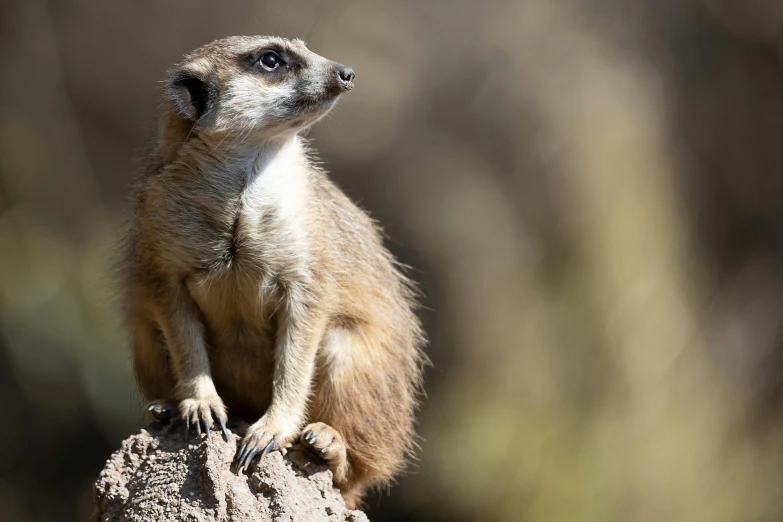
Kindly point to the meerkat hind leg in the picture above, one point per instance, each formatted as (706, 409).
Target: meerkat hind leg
(328, 444)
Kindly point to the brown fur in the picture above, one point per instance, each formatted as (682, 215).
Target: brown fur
(255, 286)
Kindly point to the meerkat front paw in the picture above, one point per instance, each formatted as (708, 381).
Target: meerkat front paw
(326, 442)
(203, 412)
(263, 436)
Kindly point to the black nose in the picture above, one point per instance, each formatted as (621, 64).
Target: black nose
(346, 76)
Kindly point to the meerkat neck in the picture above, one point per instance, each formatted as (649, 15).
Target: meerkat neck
(248, 154)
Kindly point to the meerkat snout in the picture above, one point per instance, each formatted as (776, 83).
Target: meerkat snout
(345, 77)
(338, 79)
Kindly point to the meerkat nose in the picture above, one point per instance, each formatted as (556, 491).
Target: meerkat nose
(345, 76)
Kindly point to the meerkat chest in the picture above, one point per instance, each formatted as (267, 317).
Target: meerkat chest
(271, 219)
(262, 234)
(226, 218)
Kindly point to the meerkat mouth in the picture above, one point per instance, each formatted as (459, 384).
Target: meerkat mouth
(311, 105)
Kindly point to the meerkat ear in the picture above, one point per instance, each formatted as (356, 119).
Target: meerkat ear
(191, 93)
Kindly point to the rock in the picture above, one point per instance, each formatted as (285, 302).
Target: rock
(157, 475)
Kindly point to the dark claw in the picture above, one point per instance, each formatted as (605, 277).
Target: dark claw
(198, 428)
(187, 428)
(206, 427)
(307, 435)
(313, 439)
(223, 429)
(268, 448)
(240, 454)
(249, 458)
(325, 449)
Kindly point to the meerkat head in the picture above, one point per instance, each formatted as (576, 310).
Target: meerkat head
(266, 86)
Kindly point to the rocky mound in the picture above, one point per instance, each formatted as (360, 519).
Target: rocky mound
(157, 475)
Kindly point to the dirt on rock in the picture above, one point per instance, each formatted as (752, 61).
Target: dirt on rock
(159, 476)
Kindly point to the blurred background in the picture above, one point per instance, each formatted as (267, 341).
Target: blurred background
(590, 191)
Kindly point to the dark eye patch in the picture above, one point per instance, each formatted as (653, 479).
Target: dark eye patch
(293, 62)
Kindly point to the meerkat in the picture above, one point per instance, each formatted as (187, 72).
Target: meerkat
(254, 286)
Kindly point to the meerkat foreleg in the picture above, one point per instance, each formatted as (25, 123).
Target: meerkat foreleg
(299, 333)
(199, 402)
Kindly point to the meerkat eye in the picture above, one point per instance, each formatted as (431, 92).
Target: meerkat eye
(270, 60)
